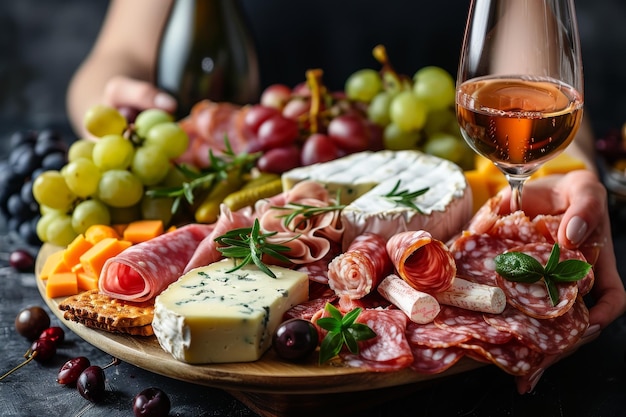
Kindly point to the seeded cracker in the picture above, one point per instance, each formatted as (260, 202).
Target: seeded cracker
(102, 312)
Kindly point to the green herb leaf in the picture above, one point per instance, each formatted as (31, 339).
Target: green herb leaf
(205, 179)
(520, 267)
(248, 245)
(570, 270)
(405, 197)
(342, 330)
(304, 210)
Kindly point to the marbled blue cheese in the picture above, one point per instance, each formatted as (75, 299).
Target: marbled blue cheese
(213, 316)
(366, 177)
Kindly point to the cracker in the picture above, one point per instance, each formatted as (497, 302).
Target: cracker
(110, 313)
(132, 330)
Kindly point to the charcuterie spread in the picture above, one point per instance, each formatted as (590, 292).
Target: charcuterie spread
(423, 272)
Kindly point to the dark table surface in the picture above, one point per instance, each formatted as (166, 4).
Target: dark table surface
(591, 382)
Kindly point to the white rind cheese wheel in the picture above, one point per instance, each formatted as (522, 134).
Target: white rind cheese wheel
(364, 178)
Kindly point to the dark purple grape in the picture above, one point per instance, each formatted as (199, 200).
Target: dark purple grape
(44, 149)
(295, 339)
(19, 138)
(54, 333)
(129, 113)
(151, 402)
(45, 349)
(71, 370)
(54, 161)
(90, 384)
(28, 231)
(26, 193)
(24, 160)
(17, 208)
(31, 321)
(22, 260)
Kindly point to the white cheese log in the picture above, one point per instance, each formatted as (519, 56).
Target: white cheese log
(472, 296)
(421, 308)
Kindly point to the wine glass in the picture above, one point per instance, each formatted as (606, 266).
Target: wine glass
(520, 84)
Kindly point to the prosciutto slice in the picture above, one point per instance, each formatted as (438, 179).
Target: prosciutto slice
(144, 270)
(422, 261)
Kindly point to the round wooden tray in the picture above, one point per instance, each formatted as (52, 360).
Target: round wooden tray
(267, 375)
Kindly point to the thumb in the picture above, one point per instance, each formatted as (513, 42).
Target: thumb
(121, 91)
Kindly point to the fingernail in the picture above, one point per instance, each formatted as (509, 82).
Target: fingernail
(164, 101)
(592, 330)
(576, 229)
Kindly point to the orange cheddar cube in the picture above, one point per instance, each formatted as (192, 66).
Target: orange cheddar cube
(61, 284)
(143, 230)
(71, 254)
(86, 281)
(93, 260)
(53, 264)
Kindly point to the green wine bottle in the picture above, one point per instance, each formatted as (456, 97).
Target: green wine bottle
(207, 52)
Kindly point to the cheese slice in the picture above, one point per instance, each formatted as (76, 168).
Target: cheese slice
(213, 316)
(364, 179)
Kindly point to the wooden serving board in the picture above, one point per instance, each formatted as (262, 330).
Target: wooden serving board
(269, 386)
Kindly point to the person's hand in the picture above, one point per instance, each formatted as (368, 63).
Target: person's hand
(121, 91)
(582, 200)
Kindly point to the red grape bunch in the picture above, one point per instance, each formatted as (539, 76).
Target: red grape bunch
(306, 125)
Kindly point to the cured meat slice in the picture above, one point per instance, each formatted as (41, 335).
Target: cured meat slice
(516, 227)
(513, 357)
(486, 216)
(548, 226)
(474, 256)
(532, 298)
(309, 309)
(206, 251)
(428, 360)
(356, 272)
(143, 270)
(549, 336)
(429, 335)
(389, 350)
(472, 323)
(425, 263)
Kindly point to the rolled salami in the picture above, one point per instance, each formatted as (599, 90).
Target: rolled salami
(144, 270)
(425, 263)
(357, 271)
(418, 306)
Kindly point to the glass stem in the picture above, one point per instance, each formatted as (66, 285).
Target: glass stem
(517, 183)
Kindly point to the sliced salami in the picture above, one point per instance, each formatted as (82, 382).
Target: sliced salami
(430, 336)
(389, 350)
(516, 227)
(357, 271)
(513, 357)
(532, 298)
(549, 336)
(470, 323)
(428, 360)
(423, 262)
(143, 270)
(474, 256)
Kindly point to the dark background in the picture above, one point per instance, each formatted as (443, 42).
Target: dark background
(43, 41)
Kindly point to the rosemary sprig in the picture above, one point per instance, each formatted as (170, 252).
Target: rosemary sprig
(342, 330)
(305, 210)
(249, 244)
(205, 179)
(405, 197)
(520, 267)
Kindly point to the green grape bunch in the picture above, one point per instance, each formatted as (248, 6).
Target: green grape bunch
(106, 176)
(414, 113)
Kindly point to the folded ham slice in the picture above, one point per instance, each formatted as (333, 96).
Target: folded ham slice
(144, 270)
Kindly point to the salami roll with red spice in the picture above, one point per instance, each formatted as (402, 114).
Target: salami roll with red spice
(144, 270)
(423, 262)
(357, 271)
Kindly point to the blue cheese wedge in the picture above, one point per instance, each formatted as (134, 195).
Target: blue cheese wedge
(213, 316)
(365, 178)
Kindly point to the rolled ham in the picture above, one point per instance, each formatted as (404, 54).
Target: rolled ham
(144, 270)
(425, 263)
(357, 271)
